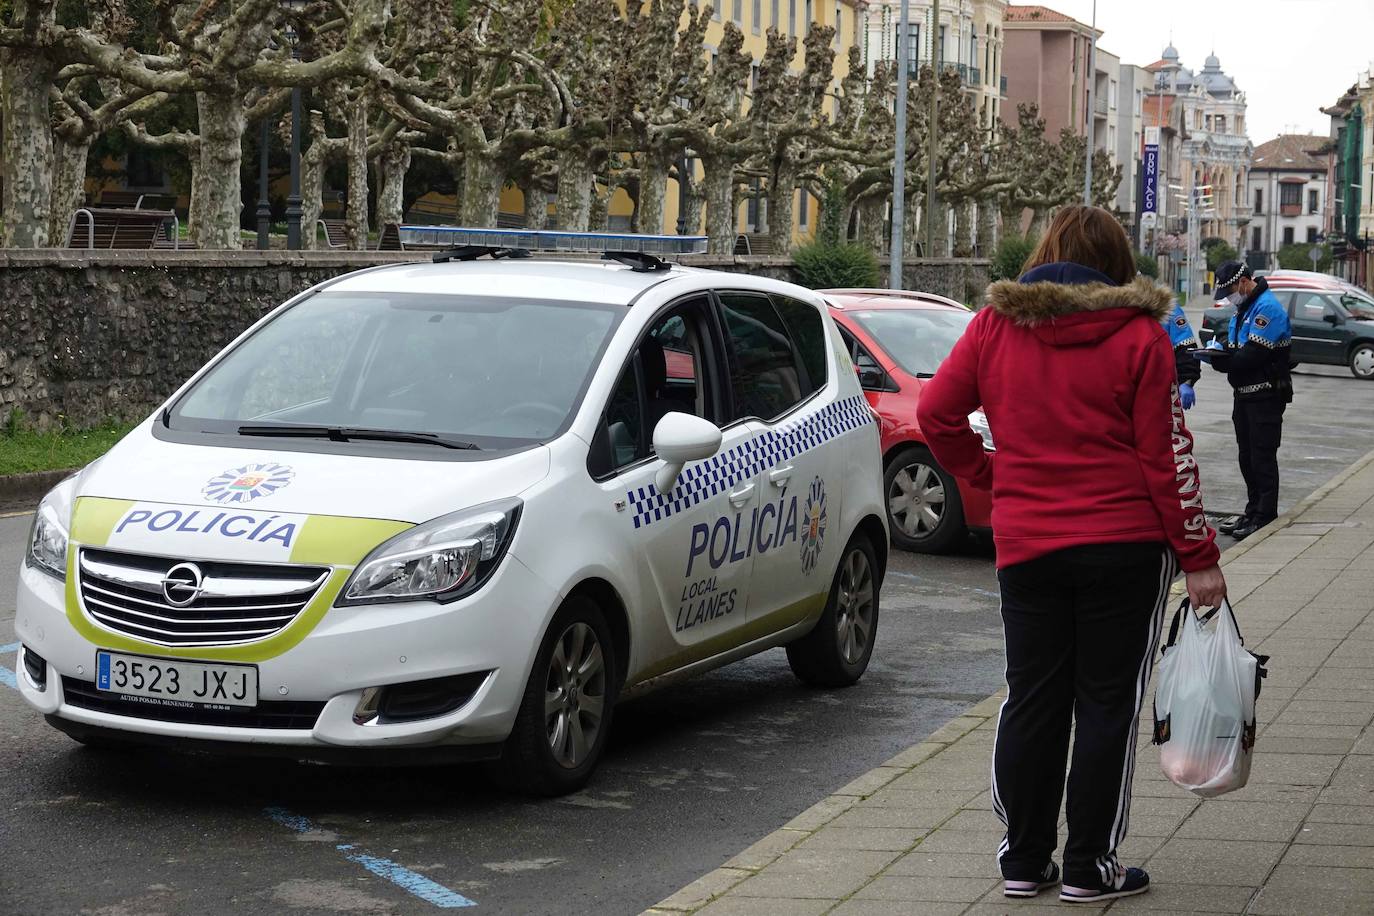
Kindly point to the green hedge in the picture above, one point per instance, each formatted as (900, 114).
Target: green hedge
(822, 266)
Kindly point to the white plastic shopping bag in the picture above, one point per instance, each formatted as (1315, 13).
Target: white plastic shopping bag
(1205, 703)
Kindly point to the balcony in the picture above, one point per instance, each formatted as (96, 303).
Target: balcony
(1100, 105)
(969, 76)
(1290, 209)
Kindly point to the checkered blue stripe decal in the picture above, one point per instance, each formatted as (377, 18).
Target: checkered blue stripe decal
(705, 479)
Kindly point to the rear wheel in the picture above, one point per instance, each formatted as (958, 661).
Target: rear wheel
(560, 731)
(924, 511)
(1362, 361)
(836, 652)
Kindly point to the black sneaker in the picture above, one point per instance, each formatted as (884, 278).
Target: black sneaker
(1231, 524)
(1048, 878)
(1249, 527)
(1129, 881)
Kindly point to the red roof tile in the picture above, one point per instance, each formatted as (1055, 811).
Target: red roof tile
(1290, 152)
(1034, 14)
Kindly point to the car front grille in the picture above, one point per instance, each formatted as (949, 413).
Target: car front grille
(267, 714)
(229, 603)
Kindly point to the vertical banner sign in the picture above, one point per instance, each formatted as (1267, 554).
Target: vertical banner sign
(1150, 199)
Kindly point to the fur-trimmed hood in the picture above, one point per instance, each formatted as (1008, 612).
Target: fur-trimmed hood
(1070, 305)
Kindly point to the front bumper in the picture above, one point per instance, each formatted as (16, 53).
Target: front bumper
(350, 650)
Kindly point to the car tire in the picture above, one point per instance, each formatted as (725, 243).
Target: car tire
(548, 752)
(1362, 361)
(920, 488)
(836, 651)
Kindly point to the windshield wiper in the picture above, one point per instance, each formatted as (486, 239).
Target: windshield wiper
(350, 433)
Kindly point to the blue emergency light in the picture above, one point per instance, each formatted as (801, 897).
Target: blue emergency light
(452, 237)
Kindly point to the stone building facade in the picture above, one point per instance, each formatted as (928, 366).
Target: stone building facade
(1288, 195)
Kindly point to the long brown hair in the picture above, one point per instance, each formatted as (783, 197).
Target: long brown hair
(1089, 236)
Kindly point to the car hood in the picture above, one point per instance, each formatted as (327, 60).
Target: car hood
(143, 468)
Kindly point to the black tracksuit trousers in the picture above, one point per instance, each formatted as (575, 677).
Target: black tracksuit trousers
(1259, 432)
(1082, 626)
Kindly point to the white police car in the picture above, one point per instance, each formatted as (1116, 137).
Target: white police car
(465, 507)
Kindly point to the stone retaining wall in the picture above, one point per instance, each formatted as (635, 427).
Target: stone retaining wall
(91, 336)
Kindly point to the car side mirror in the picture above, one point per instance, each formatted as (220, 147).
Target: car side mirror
(678, 439)
(1333, 320)
(871, 376)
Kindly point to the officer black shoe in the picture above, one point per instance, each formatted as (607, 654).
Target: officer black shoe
(1248, 528)
(1231, 524)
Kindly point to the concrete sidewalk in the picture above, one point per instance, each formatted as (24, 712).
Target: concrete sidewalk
(918, 836)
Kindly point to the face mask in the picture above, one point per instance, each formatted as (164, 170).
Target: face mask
(1235, 299)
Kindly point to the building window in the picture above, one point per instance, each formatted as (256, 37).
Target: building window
(804, 210)
(839, 24)
(1311, 235)
(973, 49)
(738, 17)
(757, 25)
(775, 14)
(1137, 101)
(1290, 194)
(1259, 200)
(1255, 239)
(939, 53)
(987, 54)
(1311, 201)
(913, 44)
(1111, 94)
(791, 18)
(1220, 124)
(1288, 235)
(810, 14)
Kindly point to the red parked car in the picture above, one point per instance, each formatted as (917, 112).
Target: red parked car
(897, 340)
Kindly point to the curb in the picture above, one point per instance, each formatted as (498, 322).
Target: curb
(22, 489)
(768, 849)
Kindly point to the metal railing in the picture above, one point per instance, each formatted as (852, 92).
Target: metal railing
(1100, 105)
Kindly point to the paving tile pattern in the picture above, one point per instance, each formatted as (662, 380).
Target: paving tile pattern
(916, 836)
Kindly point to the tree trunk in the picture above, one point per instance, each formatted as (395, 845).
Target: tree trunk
(576, 182)
(356, 153)
(222, 123)
(481, 190)
(394, 162)
(600, 217)
(722, 219)
(313, 162)
(1039, 219)
(782, 187)
(872, 210)
(68, 185)
(536, 206)
(653, 188)
(913, 226)
(941, 245)
(987, 228)
(26, 77)
(963, 229)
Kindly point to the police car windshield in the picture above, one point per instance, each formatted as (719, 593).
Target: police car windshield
(487, 371)
(917, 339)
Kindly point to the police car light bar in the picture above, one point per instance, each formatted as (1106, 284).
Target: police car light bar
(551, 241)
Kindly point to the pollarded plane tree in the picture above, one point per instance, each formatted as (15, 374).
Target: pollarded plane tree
(216, 50)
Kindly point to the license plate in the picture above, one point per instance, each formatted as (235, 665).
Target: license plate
(174, 682)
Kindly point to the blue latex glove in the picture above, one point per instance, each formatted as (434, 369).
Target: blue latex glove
(1186, 394)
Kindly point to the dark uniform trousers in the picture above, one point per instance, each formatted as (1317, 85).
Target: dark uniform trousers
(1082, 625)
(1259, 430)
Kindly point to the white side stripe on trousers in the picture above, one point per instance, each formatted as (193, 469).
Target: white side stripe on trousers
(1107, 864)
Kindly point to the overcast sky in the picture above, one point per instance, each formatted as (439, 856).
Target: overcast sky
(1289, 56)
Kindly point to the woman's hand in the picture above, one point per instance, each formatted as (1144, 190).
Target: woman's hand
(1206, 587)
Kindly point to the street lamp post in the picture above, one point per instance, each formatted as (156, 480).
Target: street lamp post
(937, 55)
(293, 197)
(894, 280)
(264, 207)
(1092, 115)
(682, 165)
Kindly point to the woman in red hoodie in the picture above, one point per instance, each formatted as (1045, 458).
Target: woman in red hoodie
(1096, 505)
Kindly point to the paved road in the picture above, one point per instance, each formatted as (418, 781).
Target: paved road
(694, 773)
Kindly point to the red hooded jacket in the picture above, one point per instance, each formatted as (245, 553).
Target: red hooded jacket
(1076, 377)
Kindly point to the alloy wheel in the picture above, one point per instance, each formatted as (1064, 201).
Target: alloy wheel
(916, 500)
(854, 607)
(575, 694)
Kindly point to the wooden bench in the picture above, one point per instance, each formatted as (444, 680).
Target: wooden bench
(99, 227)
(335, 232)
(133, 200)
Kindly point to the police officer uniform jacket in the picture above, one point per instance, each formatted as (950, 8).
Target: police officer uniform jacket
(1256, 356)
(1184, 341)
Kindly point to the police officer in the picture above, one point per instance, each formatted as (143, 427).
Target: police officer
(1254, 357)
(1184, 341)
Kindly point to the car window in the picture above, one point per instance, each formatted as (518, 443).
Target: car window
(872, 376)
(1359, 308)
(918, 340)
(808, 334)
(1312, 306)
(664, 375)
(764, 372)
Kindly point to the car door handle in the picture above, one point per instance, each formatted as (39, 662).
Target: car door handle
(780, 475)
(741, 496)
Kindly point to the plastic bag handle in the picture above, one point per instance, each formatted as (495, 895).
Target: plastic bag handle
(1185, 605)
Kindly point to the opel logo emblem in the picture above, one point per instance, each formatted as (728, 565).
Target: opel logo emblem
(182, 584)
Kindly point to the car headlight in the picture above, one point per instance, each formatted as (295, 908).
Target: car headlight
(441, 560)
(48, 535)
(979, 422)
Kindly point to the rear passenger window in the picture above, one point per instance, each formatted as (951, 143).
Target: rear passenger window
(764, 372)
(808, 335)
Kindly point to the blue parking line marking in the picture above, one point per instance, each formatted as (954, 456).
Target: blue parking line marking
(7, 677)
(411, 882)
